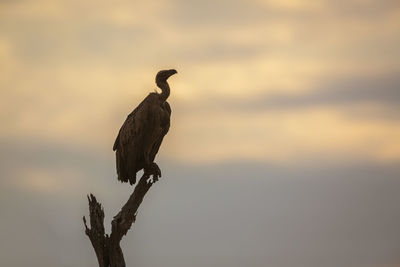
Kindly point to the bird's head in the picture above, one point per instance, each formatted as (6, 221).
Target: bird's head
(163, 75)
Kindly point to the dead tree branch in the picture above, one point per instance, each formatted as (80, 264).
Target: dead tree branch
(107, 247)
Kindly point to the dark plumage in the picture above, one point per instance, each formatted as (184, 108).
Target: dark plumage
(141, 134)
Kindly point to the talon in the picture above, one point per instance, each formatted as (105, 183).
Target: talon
(157, 170)
(153, 170)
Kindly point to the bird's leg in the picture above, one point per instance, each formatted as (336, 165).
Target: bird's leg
(154, 170)
(146, 156)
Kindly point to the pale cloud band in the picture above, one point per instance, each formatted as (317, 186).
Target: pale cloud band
(321, 76)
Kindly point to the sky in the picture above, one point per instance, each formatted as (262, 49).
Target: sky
(284, 145)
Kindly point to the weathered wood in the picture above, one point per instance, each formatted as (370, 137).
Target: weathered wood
(107, 248)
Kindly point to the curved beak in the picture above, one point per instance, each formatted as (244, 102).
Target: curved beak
(172, 72)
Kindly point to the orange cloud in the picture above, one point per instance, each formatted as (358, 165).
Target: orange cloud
(74, 71)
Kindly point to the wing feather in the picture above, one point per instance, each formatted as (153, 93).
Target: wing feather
(140, 137)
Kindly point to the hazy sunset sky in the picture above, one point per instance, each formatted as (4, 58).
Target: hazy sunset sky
(285, 113)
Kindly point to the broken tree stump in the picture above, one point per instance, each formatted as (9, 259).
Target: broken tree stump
(107, 247)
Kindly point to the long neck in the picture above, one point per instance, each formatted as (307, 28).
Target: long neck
(164, 86)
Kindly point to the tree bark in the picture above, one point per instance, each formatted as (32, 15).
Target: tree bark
(107, 247)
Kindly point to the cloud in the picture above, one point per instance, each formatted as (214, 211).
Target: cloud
(263, 80)
(333, 92)
(279, 136)
(342, 117)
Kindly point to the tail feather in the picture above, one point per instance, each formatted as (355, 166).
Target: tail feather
(121, 171)
(125, 168)
(131, 168)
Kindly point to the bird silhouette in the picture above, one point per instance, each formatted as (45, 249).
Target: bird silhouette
(142, 133)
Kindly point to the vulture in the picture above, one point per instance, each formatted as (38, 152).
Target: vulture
(142, 133)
